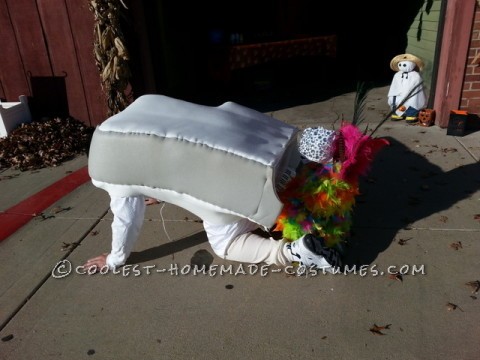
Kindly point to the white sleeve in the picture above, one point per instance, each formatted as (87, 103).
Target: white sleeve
(128, 216)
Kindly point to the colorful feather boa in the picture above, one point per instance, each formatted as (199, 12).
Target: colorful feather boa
(320, 199)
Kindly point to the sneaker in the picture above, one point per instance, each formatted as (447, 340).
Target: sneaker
(310, 250)
(396, 117)
(411, 119)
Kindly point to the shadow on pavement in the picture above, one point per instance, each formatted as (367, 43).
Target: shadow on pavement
(167, 249)
(402, 188)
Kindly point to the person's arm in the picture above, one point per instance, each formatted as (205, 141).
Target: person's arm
(128, 216)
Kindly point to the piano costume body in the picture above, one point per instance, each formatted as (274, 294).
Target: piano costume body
(220, 163)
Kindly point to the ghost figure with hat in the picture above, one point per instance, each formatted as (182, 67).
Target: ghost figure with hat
(406, 96)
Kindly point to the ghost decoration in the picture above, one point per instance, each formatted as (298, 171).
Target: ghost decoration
(406, 96)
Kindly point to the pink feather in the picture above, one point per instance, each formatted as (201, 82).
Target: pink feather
(360, 150)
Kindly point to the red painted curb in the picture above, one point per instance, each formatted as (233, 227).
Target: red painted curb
(18, 215)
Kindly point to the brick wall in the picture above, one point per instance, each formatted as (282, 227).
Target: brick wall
(470, 100)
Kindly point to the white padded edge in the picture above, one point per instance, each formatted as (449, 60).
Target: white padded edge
(229, 127)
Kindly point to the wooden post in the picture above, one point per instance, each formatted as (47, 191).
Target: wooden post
(453, 58)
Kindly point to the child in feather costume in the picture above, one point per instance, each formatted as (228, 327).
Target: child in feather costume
(320, 199)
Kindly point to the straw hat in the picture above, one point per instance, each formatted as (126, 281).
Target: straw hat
(405, 57)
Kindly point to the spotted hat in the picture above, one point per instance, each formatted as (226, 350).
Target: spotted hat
(316, 144)
(406, 57)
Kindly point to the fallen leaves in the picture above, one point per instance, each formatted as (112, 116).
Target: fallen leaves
(452, 307)
(7, 338)
(42, 144)
(60, 209)
(457, 245)
(402, 242)
(70, 246)
(474, 285)
(448, 150)
(9, 177)
(436, 148)
(377, 330)
(396, 276)
(52, 213)
(194, 220)
(443, 219)
(43, 216)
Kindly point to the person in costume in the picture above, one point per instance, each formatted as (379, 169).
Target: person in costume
(406, 96)
(236, 241)
(317, 198)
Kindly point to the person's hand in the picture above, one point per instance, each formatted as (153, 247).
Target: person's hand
(151, 201)
(97, 263)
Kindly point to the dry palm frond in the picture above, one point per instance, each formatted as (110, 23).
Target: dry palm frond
(363, 90)
(360, 100)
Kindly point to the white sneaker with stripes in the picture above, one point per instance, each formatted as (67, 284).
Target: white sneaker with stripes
(310, 250)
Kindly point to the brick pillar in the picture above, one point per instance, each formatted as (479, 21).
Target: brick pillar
(470, 98)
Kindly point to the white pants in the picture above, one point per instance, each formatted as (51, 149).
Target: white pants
(236, 242)
(233, 241)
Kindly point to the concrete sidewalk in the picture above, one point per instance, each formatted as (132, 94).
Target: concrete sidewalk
(418, 214)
